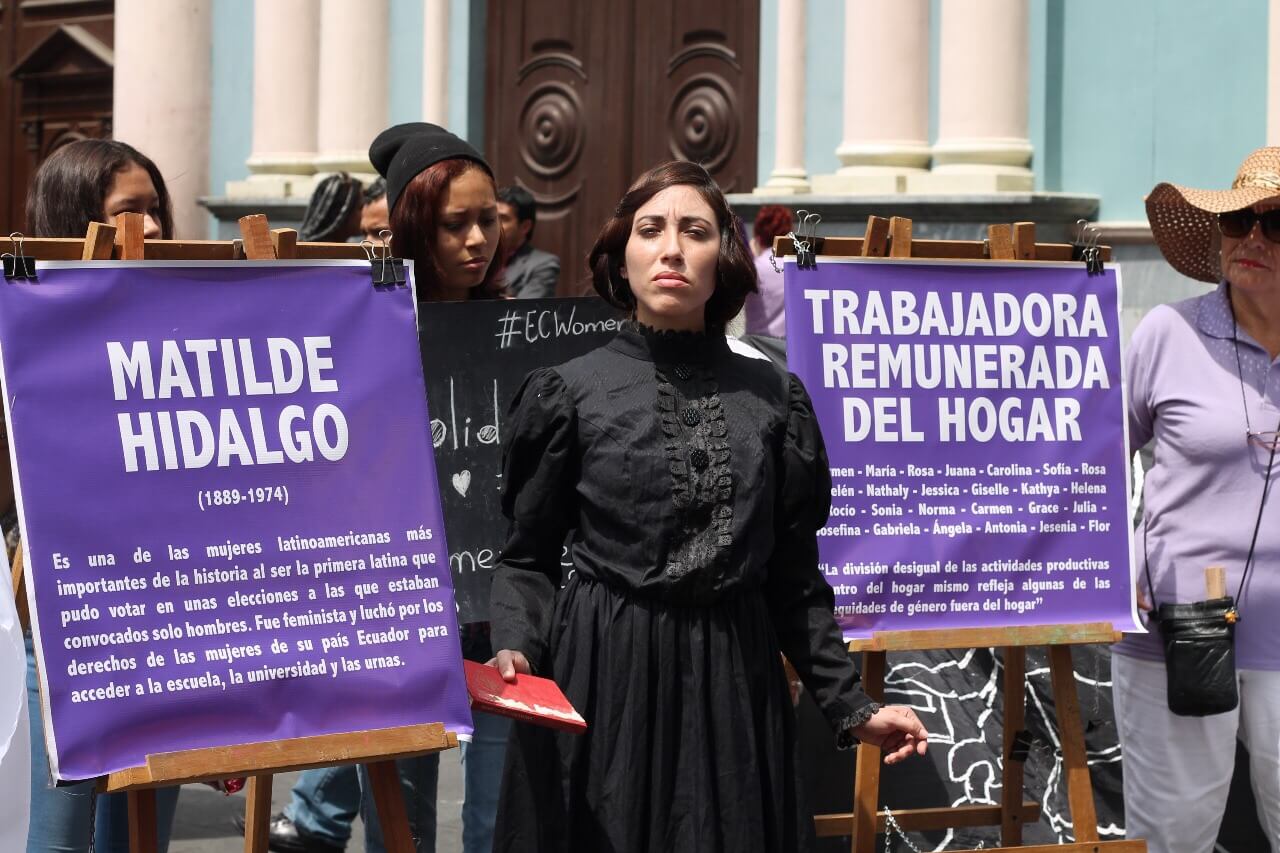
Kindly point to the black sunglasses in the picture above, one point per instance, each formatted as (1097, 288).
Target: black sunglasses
(1238, 223)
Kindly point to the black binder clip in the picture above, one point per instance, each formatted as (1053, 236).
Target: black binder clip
(1021, 746)
(386, 269)
(17, 266)
(1086, 248)
(806, 240)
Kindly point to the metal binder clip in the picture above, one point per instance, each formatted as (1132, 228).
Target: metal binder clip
(804, 239)
(386, 269)
(18, 266)
(1086, 248)
(1020, 748)
(811, 221)
(798, 243)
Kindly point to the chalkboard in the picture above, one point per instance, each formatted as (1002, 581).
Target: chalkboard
(475, 355)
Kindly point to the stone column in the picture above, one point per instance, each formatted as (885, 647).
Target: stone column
(982, 143)
(161, 94)
(353, 84)
(286, 35)
(435, 63)
(788, 174)
(886, 97)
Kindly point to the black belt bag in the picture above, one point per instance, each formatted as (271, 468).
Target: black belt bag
(1199, 637)
(1200, 656)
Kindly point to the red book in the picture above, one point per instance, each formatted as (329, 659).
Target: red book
(532, 699)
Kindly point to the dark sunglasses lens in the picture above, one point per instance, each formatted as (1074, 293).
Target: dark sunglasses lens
(1237, 223)
(1270, 225)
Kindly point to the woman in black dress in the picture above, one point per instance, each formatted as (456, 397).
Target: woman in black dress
(694, 480)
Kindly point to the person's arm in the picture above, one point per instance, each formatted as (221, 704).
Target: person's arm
(539, 492)
(1139, 360)
(6, 471)
(802, 602)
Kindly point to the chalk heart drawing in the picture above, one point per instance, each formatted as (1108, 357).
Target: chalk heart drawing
(462, 482)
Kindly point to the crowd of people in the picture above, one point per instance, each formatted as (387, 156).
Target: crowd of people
(438, 202)
(695, 481)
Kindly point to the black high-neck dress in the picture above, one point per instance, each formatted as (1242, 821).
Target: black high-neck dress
(694, 480)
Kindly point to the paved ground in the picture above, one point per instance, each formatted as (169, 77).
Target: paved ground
(203, 823)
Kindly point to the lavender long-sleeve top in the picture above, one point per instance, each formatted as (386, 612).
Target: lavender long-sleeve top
(765, 312)
(1202, 493)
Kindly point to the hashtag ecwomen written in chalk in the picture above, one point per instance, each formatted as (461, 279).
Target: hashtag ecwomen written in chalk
(543, 324)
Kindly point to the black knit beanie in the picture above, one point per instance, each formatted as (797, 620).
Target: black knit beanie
(402, 152)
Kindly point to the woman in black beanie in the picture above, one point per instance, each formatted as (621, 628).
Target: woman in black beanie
(443, 205)
(444, 211)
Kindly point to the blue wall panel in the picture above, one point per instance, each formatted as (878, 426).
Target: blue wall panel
(1142, 96)
(824, 98)
(404, 62)
(231, 101)
(824, 70)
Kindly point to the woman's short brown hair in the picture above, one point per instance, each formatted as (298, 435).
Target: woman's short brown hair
(413, 229)
(735, 271)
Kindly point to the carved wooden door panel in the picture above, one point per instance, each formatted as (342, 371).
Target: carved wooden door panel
(582, 96)
(696, 89)
(55, 86)
(558, 74)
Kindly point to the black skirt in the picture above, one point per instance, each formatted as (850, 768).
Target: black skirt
(691, 739)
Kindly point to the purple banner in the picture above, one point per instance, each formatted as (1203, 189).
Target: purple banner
(974, 419)
(229, 510)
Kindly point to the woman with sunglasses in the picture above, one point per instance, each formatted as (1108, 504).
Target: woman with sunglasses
(1204, 390)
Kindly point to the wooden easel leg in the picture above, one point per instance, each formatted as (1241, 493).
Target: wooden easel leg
(1015, 707)
(257, 814)
(389, 800)
(866, 784)
(142, 821)
(1084, 817)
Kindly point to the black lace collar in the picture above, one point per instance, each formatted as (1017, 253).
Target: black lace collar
(668, 345)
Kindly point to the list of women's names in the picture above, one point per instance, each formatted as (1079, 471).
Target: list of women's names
(202, 528)
(974, 424)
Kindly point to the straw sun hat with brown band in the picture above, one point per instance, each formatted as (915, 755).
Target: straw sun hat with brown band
(1184, 221)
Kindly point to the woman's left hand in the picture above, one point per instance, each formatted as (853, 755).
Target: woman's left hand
(897, 731)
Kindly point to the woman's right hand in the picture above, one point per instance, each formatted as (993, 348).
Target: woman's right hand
(897, 731)
(508, 663)
(1143, 604)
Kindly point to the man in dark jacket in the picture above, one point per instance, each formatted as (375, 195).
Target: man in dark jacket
(530, 272)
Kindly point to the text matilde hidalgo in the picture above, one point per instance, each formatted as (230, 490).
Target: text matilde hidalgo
(946, 349)
(225, 368)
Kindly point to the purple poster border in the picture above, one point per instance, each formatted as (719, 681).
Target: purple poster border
(275, 565)
(960, 500)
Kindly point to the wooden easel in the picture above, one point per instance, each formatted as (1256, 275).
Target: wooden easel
(379, 748)
(892, 238)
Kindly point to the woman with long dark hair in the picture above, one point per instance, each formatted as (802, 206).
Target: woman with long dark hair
(93, 180)
(694, 482)
(90, 180)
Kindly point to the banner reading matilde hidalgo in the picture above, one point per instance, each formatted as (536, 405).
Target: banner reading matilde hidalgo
(228, 504)
(975, 423)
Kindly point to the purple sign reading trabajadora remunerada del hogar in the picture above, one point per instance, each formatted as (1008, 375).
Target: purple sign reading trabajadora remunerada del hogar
(228, 504)
(974, 419)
